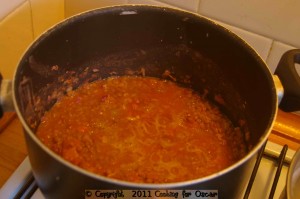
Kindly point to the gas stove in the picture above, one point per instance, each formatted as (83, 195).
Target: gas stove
(268, 179)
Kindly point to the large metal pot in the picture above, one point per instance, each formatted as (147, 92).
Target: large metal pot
(143, 40)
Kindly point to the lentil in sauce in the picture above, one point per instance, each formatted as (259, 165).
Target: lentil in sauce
(141, 129)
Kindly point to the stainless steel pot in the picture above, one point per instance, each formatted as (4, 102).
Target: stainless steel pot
(147, 40)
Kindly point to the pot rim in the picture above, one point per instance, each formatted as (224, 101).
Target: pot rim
(128, 9)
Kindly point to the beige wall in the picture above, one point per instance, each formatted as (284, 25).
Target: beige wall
(21, 25)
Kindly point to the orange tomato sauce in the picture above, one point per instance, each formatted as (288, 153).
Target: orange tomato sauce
(141, 129)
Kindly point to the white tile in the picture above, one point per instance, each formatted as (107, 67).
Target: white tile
(259, 43)
(191, 5)
(7, 6)
(277, 50)
(276, 19)
(77, 6)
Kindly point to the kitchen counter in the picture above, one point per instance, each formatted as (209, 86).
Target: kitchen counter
(12, 145)
(13, 149)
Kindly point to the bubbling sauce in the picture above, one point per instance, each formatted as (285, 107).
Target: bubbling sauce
(141, 129)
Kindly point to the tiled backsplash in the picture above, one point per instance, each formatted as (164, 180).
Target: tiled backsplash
(278, 19)
(45, 14)
(15, 35)
(270, 27)
(21, 21)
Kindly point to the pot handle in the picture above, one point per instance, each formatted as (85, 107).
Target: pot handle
(6, 100)
(290, 79)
